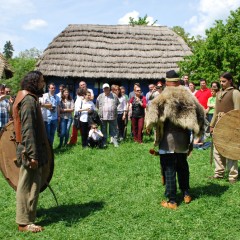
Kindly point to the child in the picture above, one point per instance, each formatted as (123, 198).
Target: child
(200, 144)
(211, 104)
(95, 137)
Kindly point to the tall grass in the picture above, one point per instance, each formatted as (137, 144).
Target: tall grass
(114, 193)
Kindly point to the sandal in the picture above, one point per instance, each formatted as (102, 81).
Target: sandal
(170, 205)
(30, 228)
(187, 199)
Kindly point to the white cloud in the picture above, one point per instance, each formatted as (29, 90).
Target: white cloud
(208, 12)
(34, 24)
(135, 15)
(125, 19)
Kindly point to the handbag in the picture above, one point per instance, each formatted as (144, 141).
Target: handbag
(93, 117)
(76, 119)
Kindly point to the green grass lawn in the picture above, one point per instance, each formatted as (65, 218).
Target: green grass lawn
(114, 193)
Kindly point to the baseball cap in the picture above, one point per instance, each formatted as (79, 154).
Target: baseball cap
(105, 85)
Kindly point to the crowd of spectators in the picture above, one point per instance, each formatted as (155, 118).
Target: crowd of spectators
(113, 107)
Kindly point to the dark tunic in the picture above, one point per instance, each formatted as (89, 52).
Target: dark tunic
(33, 145)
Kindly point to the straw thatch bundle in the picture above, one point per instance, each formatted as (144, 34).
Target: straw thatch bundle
(5, 69)
(105, 51)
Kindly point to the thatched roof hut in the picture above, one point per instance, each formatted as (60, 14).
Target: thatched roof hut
(5, 69)
(113, 52)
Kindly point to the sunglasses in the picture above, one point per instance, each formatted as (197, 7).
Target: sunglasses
(138, 90)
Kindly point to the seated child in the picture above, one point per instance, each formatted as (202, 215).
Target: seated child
(95, 136)
(200, 144)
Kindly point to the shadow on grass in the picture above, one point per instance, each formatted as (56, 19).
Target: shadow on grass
(211, 189)
(69, 214)
(64, 149)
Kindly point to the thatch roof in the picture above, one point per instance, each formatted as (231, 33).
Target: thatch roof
(5, 69)
(107, 51)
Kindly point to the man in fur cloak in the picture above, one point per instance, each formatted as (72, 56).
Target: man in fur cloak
(177, 117)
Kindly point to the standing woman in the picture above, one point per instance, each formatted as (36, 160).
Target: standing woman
(123, 92)
(66, 110)
(86, 107)
(122, 111)
(138, 105)
(80, 96)
(192, 88)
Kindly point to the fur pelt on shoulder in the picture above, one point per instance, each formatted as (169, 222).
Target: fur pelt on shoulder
(179, 106)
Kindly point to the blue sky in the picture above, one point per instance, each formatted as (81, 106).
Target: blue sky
(34, 23)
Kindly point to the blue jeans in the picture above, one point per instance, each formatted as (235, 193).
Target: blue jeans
(51, 129)
(65, 128)
(112, 129)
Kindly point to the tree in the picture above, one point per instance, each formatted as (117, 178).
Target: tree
(184, 35)
(30, 53)
(20, 66)
(8, 50)
(191, 41)
(218, 53)
(140, 21)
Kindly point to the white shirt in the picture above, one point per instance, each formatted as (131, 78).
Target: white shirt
(122, 106)
(43, 110)
(95, 135)
(59, 95)
(84, 114)
(78, 104)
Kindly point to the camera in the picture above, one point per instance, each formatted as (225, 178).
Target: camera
(53, 109)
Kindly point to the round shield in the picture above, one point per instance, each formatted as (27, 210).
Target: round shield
(226, 135)
(8, 158)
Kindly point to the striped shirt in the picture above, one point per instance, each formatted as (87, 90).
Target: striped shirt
(4, 112)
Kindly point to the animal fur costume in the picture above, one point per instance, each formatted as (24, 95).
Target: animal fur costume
(179, 106)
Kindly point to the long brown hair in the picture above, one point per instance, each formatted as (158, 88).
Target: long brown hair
(69, 96)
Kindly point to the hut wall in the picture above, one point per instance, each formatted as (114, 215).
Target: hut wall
(96, 84)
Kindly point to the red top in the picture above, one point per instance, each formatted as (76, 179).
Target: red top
(202, 95)
(144, 101)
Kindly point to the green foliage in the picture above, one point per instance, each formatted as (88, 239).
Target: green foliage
(115, 194)
(8, 50)
(218, 53)
(140, 21)
(30, 53)
(20, 66)
(184, 35)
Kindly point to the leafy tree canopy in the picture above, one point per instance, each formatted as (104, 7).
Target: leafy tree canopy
(140, 21)
(30, 53)
(185, 36)
(21, 65)
(8, 50)
(218, 52)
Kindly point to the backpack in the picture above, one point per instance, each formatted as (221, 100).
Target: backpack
(93, 117)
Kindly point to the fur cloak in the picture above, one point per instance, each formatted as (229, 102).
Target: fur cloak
(179, 106)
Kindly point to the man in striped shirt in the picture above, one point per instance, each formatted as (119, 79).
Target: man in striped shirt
(4, 107)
